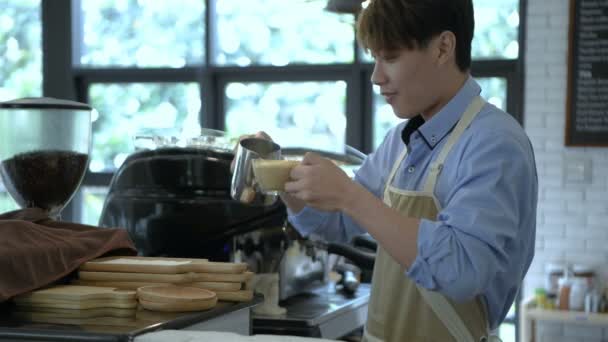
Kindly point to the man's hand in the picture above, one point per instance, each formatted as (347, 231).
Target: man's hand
(320, 183)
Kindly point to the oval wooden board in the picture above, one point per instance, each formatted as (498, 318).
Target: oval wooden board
(174, 294)
(178, 307)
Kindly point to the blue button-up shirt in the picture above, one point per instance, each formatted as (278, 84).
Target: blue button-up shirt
(482, 240)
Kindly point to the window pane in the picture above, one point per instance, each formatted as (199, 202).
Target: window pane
(93, 198)
(123, 110)
(21, 49)
(384, 117)
(21, 61)
(496, 26)
(295, 114)
(493, 89)
(143, 33)
(279, 32)
(506, 332)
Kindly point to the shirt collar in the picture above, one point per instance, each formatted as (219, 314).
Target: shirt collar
(442, 123)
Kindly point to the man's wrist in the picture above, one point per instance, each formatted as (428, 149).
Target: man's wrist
(350, 198)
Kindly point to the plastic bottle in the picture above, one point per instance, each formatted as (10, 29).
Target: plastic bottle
(541, 298)
(578, 289)
(553, 271)
(563, 292)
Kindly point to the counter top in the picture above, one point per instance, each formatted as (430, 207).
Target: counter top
(110, 329)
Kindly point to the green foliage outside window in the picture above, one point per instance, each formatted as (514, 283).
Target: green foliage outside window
(20, 59)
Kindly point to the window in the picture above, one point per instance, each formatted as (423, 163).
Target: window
(21, 67)
(304, 114)
(142, 33)
(287, 67)
(123, 111)
(279, 32)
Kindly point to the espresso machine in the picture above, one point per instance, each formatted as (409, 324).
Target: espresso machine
(173, 197)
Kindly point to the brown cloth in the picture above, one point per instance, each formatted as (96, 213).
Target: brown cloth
(36, 251)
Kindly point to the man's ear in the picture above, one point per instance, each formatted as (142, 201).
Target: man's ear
(446, 47)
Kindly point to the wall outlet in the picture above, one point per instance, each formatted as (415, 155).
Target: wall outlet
(576, 171)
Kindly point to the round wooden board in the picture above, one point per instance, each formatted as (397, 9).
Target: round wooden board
(174, 294)
(178, 307)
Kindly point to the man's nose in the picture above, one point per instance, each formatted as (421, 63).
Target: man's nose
(378, 77)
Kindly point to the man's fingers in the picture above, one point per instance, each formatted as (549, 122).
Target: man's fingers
(263, 135)
(311, 158)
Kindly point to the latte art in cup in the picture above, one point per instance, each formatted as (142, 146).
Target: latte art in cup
(271, 175)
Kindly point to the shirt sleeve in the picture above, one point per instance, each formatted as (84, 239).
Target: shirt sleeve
(482, 220)
(335, 226)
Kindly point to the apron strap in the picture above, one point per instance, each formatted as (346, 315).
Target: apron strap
(391, 175)
(438, 303)
(447, 315)
(464, 122)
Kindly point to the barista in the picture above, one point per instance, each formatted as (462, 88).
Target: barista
(450, 195)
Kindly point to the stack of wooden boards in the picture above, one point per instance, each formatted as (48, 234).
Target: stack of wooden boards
(108, 290)
(77, 304)
(227, 280)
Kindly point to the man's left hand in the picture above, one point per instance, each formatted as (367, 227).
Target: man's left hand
(320, 183)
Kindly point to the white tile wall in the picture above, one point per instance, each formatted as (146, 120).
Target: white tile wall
(573, 217)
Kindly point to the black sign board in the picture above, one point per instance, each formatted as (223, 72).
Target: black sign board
(587, 103)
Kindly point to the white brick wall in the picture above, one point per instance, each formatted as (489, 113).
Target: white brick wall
(572, 218)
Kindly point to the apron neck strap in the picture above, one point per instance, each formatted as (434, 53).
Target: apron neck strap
(474, 107)
(396, 165)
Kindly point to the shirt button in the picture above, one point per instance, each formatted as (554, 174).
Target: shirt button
(433, 139)
(411, 169)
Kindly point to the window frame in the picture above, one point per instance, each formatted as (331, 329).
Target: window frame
(63, 78)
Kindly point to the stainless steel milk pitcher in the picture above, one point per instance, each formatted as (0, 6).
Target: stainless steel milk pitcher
(244, 187)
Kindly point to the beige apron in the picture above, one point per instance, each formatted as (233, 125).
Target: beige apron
(399, 310)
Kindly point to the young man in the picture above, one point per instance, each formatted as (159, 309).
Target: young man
(450, 195)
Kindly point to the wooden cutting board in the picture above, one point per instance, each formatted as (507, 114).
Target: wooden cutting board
(78, 297)
(80, 305)
(222, 277)
(136, 277)
(76, 313)
(94, 321)
(235, 296)
(175, 294)
(134, 285)
(126, 285)
(179, 278)
(156, 265)
(216, 285)
(78, 293)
